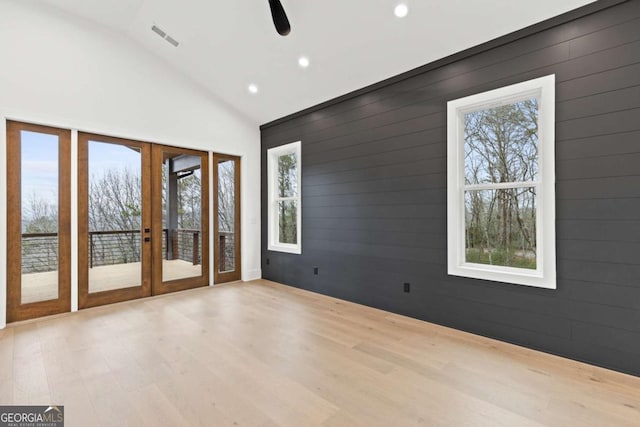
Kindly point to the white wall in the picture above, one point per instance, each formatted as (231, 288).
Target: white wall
(62, 71)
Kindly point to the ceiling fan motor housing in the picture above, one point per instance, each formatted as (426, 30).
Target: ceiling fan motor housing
(280, 20)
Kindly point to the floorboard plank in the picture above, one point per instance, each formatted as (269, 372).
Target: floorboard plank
(265, 354)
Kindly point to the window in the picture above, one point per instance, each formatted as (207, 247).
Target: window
(285, 204)
(500, 189)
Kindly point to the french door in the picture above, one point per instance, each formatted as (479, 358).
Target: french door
(226, 221)
(114, 220)
(38, 221)
(142, 219)
(180, 217)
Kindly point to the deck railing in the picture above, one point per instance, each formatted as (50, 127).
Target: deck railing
(113, 247)
(185, 245)
(227, 251)
(40, 250)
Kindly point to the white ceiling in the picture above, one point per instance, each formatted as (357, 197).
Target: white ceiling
(225, 45)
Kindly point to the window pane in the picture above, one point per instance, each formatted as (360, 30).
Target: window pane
(288, 219)
(501, 143)
(39, 182)
(287, 175)
(181, 217)
(115, 209)
(226, 215)
(500, 227)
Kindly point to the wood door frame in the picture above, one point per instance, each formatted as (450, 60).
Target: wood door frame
(85, 298)
(159, 287)
(223, 277)
(15, 309)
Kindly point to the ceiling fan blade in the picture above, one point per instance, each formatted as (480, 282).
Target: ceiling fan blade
(279, 16)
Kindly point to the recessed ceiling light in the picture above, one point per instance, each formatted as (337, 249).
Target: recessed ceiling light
(252, 89)
(303, 61)
(401, 10)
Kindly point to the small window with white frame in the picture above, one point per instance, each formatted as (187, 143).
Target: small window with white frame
(501, 184)
(284, 174)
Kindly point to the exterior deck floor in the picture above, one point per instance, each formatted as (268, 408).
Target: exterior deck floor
(44, 286)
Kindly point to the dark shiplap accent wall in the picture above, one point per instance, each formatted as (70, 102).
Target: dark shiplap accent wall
(374, 195)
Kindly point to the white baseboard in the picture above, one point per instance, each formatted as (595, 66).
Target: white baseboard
(252, 275)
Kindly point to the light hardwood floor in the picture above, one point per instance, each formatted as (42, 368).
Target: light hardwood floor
(263, 354)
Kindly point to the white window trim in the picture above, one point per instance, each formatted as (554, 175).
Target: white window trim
(545, 275)
(273, 223)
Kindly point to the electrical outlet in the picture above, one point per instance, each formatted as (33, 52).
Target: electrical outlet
(267, 261)
(407, 287)
(315, 271)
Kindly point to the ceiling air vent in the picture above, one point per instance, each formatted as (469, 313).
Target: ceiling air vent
(158, 31)
(173, 41)
(165, 36)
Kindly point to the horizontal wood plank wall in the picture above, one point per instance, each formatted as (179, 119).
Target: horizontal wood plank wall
(374, 195)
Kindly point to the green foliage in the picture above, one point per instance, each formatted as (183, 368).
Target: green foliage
(502, 258)
(42, 225)
(131, 210)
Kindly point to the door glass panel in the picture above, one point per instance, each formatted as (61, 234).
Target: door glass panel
(39, 194)
(226, 245)
(114, 211)
(181, 217)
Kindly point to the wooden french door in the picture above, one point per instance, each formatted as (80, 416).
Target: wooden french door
(38, 218)
(114, 219)
(180, 198)
(226, 221)
(143, 219)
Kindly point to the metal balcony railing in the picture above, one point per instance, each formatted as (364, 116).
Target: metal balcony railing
(226, 251)
(40, 250)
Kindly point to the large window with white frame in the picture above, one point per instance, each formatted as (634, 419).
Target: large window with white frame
(501, 184)
(284, 169)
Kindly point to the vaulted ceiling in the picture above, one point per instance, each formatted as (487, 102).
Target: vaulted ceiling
(227, 45)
